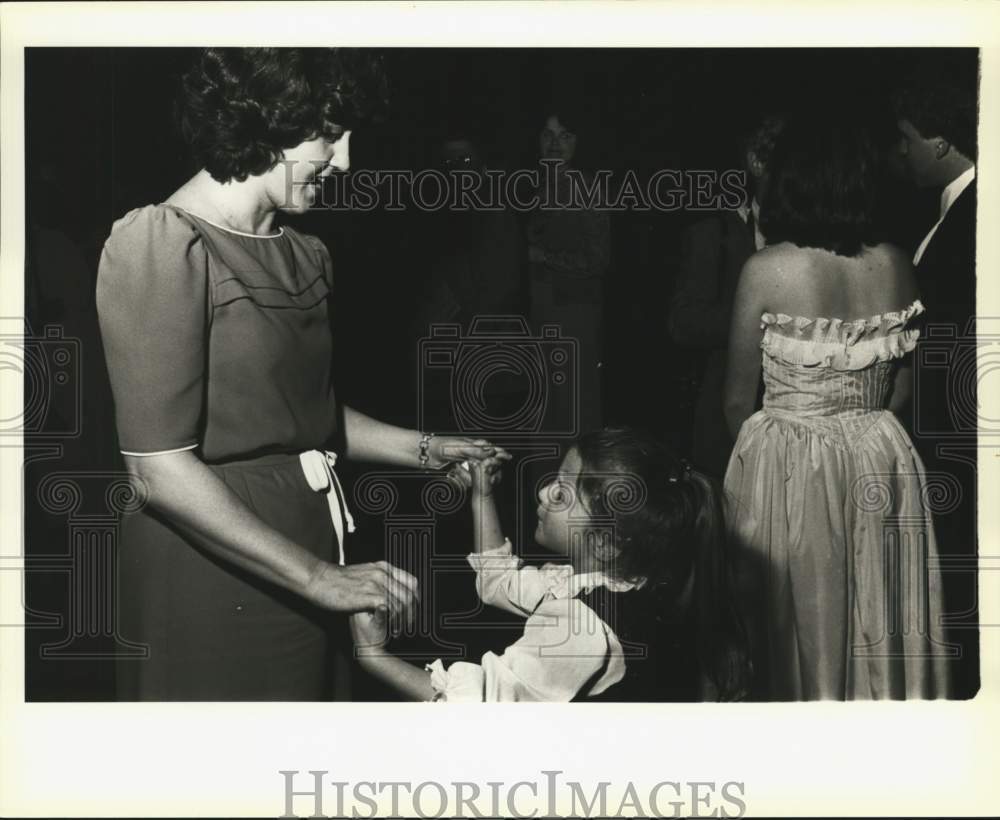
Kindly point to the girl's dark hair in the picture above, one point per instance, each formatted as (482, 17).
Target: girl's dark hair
(240, 108)
(826, 179)
(669, 529)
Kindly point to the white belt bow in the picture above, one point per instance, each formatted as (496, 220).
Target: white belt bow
(317, 466)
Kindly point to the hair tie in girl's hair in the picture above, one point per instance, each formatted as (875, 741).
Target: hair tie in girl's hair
(685, 473)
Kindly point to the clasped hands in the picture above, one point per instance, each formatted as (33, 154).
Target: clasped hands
(372, 626)
(455, 450)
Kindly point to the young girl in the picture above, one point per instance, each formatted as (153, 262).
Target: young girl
(640, 609)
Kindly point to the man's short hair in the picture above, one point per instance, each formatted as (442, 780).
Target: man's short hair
(940, 99)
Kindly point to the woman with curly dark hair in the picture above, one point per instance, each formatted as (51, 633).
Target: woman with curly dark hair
(827, 494)
(217, 338)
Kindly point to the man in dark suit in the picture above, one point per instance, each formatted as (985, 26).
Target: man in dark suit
(714, 250)
(936, 115)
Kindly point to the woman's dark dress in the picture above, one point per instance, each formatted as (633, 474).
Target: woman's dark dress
(219, 342)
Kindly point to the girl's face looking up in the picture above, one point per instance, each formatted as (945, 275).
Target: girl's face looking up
(559, 503)
(563, 518)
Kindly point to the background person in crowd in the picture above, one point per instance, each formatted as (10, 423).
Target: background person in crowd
(569, 250)
(713, 252)
(478, 253)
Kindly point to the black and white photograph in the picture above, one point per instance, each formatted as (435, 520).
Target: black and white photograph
(360, 379)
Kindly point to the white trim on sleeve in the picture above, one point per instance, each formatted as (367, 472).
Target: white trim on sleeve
(160, 452)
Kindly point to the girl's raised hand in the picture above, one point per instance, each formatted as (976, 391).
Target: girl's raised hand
(485, 475)
(370, 630)
(479, 476)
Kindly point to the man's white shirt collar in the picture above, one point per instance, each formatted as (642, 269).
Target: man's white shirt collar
(954, 189)
(950, 193)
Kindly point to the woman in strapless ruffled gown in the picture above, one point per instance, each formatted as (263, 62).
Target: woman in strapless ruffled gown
(828, 500)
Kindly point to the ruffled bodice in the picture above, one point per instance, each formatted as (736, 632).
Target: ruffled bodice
(832, 367)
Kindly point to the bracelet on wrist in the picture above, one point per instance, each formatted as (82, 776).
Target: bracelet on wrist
(425, 445)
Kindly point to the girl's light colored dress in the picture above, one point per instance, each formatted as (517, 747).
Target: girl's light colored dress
(566, 650)
(829, 505)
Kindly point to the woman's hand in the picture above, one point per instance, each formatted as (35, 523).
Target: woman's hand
(444, 450)
(364, 587)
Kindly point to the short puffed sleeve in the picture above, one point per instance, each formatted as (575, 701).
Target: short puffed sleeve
(153, 307)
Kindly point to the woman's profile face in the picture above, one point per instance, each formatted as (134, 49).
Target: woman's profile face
(556, 142)
(294, 182)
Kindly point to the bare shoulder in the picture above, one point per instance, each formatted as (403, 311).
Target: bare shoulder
(773, 268)
(892, 257)
(893, 266)
(778, 257)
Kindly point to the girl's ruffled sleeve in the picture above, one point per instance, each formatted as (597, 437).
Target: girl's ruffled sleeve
(503, 582)
(153, 306)
(565, 649)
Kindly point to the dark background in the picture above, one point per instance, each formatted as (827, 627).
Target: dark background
(101, 140)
